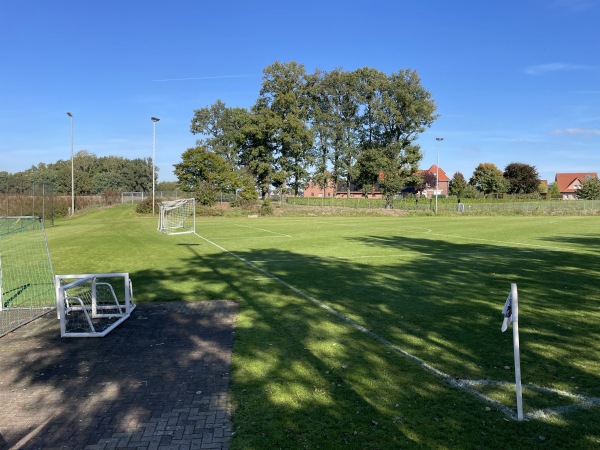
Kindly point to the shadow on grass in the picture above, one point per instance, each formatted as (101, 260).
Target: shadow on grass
(305, 379)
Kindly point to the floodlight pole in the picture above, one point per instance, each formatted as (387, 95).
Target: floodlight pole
(437, 172)
(154, 120)
(72, 168)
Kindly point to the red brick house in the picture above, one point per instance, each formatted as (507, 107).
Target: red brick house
(443, 183)
(569, 183)
(427, 190)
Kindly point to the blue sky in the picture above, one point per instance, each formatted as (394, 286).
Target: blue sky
(514, 81)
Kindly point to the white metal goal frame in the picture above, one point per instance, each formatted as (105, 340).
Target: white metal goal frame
(177, 216)
(26, 275)
(92, 305)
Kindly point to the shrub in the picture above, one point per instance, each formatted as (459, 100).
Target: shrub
(144, 207)
(206, 194)
(266, 208)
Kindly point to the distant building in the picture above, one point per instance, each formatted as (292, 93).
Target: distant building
(443, 184)
(570, 183)
(425, 189)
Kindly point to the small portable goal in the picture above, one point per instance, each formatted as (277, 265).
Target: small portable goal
(177, 216)
(92, 305)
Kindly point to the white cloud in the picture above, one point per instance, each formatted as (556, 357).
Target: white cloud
(576, 131)
(541, 69)
(575, 6)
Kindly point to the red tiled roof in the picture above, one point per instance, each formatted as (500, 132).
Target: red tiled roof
(565, 180)
(442, 175)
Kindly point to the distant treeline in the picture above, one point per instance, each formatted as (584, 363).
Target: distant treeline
(92, 175)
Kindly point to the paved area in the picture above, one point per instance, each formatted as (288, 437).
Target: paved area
(160, 380)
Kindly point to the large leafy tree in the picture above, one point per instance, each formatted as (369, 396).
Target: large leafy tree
(340, 91)
(319, 115)
(199, 165)
(285, 93)
(521, 178)
(221, 130)
(399, 108)
(590, 189)
(368, 168)
(488, 179)
(258, 152)
(458, 184)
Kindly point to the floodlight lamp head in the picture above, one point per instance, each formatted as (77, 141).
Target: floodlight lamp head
(69, 114)
(439, 139)
(154, 119)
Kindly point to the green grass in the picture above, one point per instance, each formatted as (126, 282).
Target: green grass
(431, 286)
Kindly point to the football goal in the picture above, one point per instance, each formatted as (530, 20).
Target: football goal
(26, 276)
(177, 216)
(92, 305)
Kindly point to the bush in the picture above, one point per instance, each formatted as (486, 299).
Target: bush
(266, 208)
(145, 206)
(206, 194)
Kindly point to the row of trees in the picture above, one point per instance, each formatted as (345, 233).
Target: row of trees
(517, 178)
(353, 128)
(92, 175)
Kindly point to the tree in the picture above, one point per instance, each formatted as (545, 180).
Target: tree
(399, 109)
(333, 116)
(590, 189)
(342, 106)
(487, 178)
(368, 169)
(166, 186)
(222, 130)
(553, 190)
(202, 169)
(521, 178)
(285, 93)
(257, 153)
(458, 184)
(107, 181)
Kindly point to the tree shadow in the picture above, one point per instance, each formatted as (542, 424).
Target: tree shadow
(163, 369)
(304, 378)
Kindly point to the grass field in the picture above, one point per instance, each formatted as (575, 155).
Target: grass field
(380, 332)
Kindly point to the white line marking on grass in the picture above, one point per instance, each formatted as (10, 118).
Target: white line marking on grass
(266, 231)
(462, 384)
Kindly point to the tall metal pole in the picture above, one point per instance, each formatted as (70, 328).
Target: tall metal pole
(154, 120)
(437, 172)
(72, 169)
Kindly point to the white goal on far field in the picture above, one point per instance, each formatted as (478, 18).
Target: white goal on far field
(177, 216)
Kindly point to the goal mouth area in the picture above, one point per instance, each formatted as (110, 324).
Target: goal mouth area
(92, 305)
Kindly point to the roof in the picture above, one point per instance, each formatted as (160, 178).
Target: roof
(441, 174)
(567, 181)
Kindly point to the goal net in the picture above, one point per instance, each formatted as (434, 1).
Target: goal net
(92, 305)
(177, 216)
(26, 276)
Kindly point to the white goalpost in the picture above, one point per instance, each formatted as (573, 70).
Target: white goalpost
(177, 216)
(92, 305)
(26, 276)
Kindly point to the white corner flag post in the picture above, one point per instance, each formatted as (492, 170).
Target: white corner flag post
(511, 314)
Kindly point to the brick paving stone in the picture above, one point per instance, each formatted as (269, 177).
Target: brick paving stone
(159, 380)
